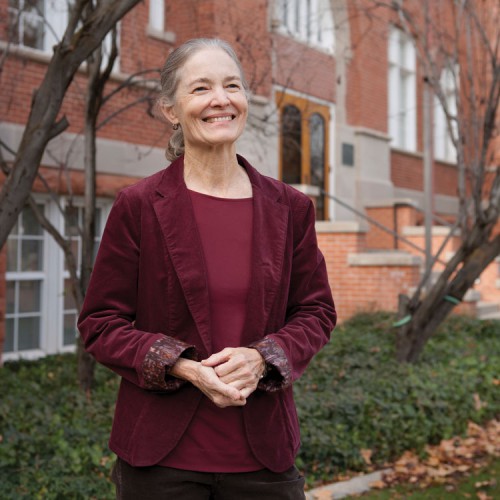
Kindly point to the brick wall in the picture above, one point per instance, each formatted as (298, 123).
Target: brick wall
(362, 287)
(367, 86)
(304, 69)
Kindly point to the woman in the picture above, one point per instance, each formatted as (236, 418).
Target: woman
(209, 297)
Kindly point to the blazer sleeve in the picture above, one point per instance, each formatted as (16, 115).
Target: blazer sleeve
(107, 319)
(310, 315)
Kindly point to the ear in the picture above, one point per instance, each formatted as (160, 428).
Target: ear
(169, 113)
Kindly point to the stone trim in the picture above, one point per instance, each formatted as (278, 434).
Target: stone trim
(340, 227)
(435, 230)
(389, 258)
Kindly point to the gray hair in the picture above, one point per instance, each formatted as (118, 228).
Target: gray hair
(170, 76)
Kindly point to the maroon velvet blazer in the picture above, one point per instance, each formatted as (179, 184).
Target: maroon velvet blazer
(147, 304)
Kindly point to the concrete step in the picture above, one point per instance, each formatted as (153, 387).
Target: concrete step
(494, 315)
(488, 310)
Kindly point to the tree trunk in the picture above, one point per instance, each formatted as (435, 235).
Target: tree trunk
(420, 321)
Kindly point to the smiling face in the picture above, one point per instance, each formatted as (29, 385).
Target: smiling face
(211, 104)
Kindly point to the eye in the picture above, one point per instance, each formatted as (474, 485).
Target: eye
(198, 90)
(233, 86)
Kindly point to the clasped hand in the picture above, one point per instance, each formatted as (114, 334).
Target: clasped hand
(227, 377)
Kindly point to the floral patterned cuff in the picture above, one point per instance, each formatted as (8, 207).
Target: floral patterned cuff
(162, 355)
(278, 374)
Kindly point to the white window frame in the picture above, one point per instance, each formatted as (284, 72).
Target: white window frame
(308, 21)
(157, 21)
(402, 91)
(444, 149)
(53, 276)
(64, 273)
(42, 276)
(157, 15)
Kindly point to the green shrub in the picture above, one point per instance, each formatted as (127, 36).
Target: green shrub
(354, 396)
(53, 440)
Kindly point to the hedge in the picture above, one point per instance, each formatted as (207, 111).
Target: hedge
(353, 397)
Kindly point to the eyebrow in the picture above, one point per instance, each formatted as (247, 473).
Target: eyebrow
(207, 80)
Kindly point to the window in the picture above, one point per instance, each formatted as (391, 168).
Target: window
(304, 127)
(444, 148)
(25, 279)
(38, 24)
(402, 91)
(310, 21)
(157, 15)
(40, 312)
(291, 138)
(317, 144)
(26, 22)
(72, 224)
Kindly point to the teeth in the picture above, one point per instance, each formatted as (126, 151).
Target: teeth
(219, 119)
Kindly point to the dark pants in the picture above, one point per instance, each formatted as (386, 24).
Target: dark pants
(165, 483)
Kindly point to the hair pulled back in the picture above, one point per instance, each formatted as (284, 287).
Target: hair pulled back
(170, 76)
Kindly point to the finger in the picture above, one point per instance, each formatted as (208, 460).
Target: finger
(224, 402)
(211, 385)
(231, 371)
(226, 390)
(217, 358)
(228, 369)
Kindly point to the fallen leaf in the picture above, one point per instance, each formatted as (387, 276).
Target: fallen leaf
(323, 495)
(483, 496)
(367, 456)
(378, 485)
(478, 404)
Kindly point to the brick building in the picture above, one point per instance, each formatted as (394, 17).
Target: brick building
(336, 105)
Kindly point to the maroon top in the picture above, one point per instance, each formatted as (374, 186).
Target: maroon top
(215, 441)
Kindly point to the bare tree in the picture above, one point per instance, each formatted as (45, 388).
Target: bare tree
(98, 68)
(463, 37)
(79, 41)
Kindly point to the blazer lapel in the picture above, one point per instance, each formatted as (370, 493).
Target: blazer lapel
(270, 225)
(175, 214)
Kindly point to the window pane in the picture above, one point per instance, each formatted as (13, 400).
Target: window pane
(31, 226)
(317, 160)
(12, 245)
(29, 296)
(32, 32)
(69, 301)
(98, 221)
(31, 255)
(69, 334)
(291, 130)
(72, 221)
(11, 297)
(29, 333)
(317, 144)
(8, 344)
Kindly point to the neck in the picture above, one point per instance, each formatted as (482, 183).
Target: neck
(217, 173)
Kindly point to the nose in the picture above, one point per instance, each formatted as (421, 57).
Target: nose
(220, 97)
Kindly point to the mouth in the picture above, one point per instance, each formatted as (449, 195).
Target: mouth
(215, 119)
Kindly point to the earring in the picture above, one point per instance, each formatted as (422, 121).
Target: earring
(176, 126)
